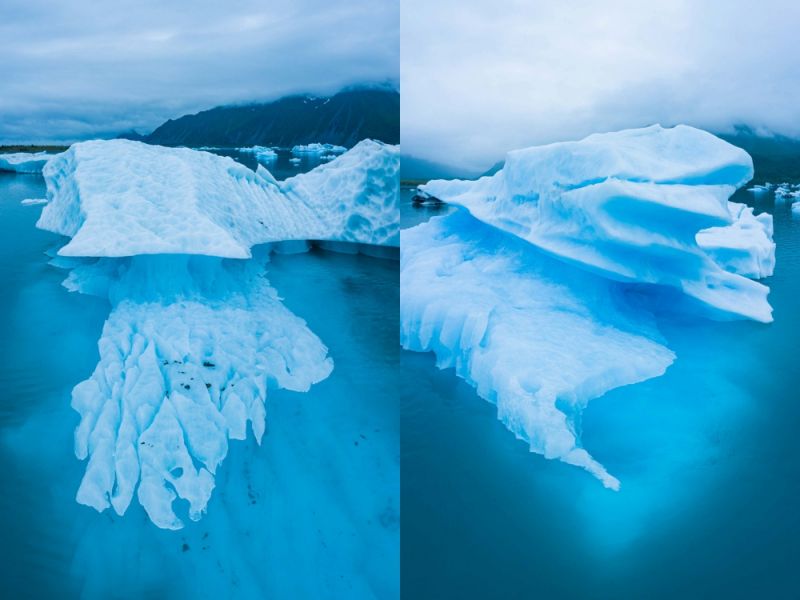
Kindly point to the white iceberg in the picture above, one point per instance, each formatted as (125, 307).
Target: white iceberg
(33, 201)
(759, 189)
(787, 191)
(543, 292)
(123, 198)
(195, 338)
(317, 148)
(24, 162)
(262, 153)
(628, 206)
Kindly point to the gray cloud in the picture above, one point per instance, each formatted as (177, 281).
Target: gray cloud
(480, 78)
(72, 70)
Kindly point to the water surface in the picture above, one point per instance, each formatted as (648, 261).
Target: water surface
(706, 454)
(312, 512)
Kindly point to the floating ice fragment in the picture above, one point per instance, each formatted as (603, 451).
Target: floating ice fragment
(317, 148)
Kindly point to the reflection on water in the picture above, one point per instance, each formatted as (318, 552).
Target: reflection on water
(312, 512)
(710, 480)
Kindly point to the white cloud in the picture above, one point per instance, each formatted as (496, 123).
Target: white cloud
(480, 78)
(72, 70)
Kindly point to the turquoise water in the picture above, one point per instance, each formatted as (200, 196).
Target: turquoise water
(313, 512)
(706, 454)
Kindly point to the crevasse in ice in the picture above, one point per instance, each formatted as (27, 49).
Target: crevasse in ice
(544, 290)
(177, 241)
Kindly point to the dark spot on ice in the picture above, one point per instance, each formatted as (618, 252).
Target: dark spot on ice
(185, 547)
(165, 362)
(205, 535)
(208, 386)
(176, 472)
(187, 386)
(208, 364)
(362, 436)
(355, 443)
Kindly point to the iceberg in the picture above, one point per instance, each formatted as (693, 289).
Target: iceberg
(318, 149)
(24, 162)
(124, 198)
(545, 289)
(760, 189)
(787, 191)
(628, 206)
(177, 241)
(262, 153)
(33, 201)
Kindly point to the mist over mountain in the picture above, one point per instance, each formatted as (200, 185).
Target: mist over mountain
(419, 169)
(343, 119)
(776, 158)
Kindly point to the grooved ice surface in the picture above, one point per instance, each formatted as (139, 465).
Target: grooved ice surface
(175, 240)
(629, 205)
(545, 289)
(123, 198)
(186, 357)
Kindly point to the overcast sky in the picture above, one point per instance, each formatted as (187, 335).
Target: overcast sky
(72, 70)
(479, 78)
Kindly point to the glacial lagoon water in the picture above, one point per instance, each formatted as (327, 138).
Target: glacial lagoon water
(706, 454)
(312, 512)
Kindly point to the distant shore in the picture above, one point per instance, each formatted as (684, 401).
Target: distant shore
(30, 148)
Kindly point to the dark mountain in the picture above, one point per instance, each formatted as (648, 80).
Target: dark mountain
(419, 169)
(343, 119)
(776, 158)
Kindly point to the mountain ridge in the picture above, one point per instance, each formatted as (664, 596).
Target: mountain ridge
(344, 119)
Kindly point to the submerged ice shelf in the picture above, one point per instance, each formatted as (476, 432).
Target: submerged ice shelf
(177, 241)
(186, 356)
(545, 289)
